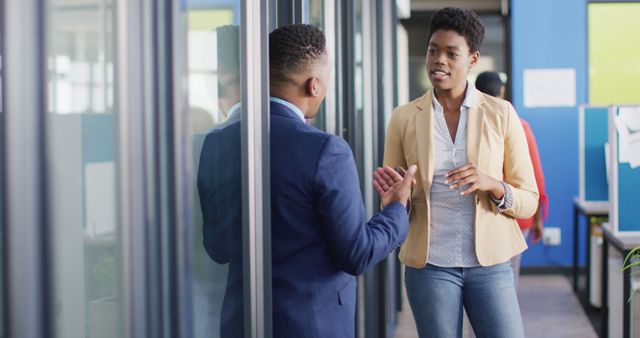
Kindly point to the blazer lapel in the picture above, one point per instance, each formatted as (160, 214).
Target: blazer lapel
(475, 128)
(424, 140)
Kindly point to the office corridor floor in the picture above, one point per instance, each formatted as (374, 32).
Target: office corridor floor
(548, 305)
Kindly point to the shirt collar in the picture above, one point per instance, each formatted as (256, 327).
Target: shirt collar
(469, 97)
(233, 111)
(288, 105)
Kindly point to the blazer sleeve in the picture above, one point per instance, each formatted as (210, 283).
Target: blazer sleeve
(356, 244)
(393, 150)
(518, 170)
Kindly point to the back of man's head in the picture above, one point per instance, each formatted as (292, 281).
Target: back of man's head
(228, 51)
(294, 49)
(299, 67)
(489, 83)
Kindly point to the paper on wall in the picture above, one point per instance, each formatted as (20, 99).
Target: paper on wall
(549, 87)
(623, 136)
(628, 125)
(634, 153)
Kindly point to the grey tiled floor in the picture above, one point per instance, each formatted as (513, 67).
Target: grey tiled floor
(548, 305)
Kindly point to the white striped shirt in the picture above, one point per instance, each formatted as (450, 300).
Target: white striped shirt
(452, 243)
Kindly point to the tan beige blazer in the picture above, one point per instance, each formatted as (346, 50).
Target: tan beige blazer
(496, 144)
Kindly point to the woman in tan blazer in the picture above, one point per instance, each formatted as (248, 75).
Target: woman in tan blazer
(474, 178)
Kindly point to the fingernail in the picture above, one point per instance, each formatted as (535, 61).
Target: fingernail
(462, 193)
(451, 187)
(446, 182)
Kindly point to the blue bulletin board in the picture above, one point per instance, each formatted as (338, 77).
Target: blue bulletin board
(594, 134)
(625, 195)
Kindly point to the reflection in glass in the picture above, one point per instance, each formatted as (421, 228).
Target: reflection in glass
(80, 136)
(216, 115)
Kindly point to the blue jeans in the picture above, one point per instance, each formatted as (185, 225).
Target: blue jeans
(436, 296)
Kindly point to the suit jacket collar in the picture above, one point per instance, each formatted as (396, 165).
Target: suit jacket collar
(280, 109)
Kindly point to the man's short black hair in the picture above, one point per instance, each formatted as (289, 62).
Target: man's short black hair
(293, 49)
(489, 83)
(462, 21)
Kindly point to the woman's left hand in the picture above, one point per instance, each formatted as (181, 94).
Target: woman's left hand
(476, 179)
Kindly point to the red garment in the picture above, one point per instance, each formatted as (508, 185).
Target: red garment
(526, 224)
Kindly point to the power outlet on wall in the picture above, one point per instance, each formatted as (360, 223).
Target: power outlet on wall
(551, 236)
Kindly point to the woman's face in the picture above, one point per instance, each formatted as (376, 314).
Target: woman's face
(449, 60)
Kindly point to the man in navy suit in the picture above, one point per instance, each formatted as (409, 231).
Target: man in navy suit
(320, 237)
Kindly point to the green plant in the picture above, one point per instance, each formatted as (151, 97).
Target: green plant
(632, 260)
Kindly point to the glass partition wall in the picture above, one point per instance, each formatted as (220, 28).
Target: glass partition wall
(216, 113)
(135, 137)
(3, 275)
(86, 236)
(23, 221)
(227, 107)
(104, 116)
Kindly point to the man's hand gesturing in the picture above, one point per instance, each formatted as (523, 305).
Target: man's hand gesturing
(392, 186)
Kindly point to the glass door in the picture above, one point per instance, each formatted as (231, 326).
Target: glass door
(215, 110)
(228, 135)
(2, 160)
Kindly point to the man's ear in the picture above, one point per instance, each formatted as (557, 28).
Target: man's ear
(312, 87)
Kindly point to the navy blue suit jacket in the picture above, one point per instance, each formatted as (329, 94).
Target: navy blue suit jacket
(220, 193)
(320, 237)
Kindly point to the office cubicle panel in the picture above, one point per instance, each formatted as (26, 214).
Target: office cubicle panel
(625, 179)
(593, 135)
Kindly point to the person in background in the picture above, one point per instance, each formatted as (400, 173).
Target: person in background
(474, 179)
(491, 84)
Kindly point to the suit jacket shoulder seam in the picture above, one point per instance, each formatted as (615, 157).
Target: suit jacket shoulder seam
(320, 153)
